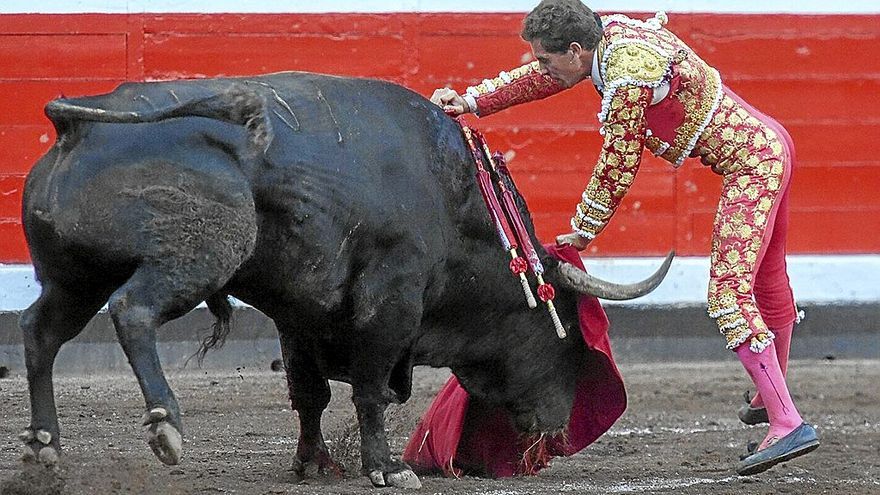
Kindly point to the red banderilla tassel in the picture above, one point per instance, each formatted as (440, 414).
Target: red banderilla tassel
(519, 265)
(546, 292)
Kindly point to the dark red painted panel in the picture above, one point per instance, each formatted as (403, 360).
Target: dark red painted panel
(804, 102)
(646, 236)
(845, 188)
(21, 146)
(539, 149)
(439, 63)
(648, 207)
(23, 101)
(63, 23)
(843, 231)
(175, 55)
(13, 248)
(11, 188)
(559, 192)
(817, 74)
(57, 56)
(787, 47)
(830, 145)
(331, 25)
(462, 23)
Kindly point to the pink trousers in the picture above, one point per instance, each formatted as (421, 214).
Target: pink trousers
(749, 288)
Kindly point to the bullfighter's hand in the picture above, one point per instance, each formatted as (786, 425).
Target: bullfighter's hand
(450, 101)
(573, 239)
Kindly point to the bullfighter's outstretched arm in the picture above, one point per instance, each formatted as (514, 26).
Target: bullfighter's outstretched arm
(520, 85)
(625, 131)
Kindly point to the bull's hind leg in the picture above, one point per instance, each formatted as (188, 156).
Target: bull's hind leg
(154, 295)
(57, 316)
(138, 308)
(192, 246)
(309, 395)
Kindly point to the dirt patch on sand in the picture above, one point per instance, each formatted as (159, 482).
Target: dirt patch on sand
(679, 435)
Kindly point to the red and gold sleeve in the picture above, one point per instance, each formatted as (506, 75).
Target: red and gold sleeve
(520, 85)
(619, 160)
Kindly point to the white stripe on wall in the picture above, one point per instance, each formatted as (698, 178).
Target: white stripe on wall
(319, 6)
(822, 279)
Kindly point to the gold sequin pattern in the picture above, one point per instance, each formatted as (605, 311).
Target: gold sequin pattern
(752, 182)
(698, 92)
(636, 61)
(520, 85)
(734, 138)
(499, 82)
(618, 162)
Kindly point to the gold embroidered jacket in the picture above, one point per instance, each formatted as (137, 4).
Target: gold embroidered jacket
(656, 94)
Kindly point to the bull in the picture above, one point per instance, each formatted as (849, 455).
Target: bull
(344, 209)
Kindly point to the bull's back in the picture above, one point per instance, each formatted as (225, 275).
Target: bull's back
(341, 161)
(368, 142)
(375, 131)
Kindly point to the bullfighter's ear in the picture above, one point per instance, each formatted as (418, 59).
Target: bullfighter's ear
(580, 281)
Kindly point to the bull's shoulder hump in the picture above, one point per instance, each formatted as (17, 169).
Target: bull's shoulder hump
(314, 80)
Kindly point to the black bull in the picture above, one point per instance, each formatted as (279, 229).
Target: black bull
(344, 209)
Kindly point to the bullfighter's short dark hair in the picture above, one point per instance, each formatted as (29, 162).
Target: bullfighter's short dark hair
(558, 23)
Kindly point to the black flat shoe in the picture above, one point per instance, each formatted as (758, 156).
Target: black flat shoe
(752, 415)
(797, 443)
(751, 448)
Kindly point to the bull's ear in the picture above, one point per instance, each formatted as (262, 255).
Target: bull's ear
(580, 281)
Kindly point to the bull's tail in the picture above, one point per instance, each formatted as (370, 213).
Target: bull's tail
(237, 105)
(220, 307)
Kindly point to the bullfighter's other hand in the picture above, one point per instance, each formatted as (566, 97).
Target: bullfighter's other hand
(450, 101)
(574, 239)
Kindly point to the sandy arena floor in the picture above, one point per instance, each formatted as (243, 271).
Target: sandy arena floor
(680, 435)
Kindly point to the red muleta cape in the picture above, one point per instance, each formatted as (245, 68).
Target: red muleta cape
(458, 435)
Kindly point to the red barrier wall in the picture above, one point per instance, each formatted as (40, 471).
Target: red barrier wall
(819, 75)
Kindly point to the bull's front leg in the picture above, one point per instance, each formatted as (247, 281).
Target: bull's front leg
(375, 453)
(309, 394)
(388, 300)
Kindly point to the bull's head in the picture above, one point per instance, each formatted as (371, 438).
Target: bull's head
(524, 368)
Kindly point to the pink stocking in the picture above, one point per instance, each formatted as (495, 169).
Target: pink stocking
(782, 342)
(765, 372)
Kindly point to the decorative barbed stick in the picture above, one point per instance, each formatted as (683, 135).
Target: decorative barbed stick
(518, 265)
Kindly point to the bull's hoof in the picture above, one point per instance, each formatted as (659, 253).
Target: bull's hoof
(400, 479)
(321, 468)
(38, 447)
(164, 439)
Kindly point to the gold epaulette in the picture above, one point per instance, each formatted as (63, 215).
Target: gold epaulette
(637, 62)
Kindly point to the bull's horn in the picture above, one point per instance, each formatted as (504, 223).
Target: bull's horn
(584, 283)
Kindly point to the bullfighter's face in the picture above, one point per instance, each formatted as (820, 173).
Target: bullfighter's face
(566, 68)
